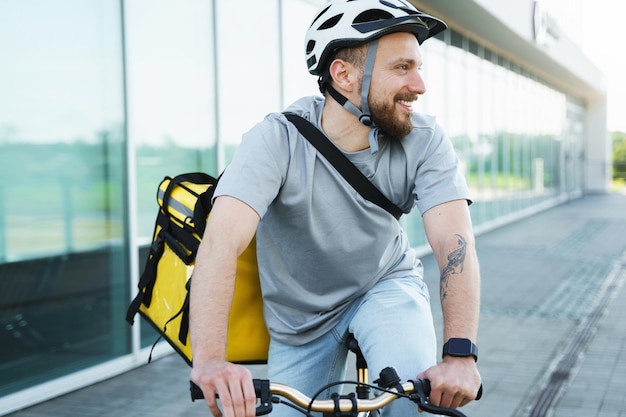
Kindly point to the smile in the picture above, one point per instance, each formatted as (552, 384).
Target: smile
(407, 104)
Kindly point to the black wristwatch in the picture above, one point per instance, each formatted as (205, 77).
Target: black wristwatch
(460, 348)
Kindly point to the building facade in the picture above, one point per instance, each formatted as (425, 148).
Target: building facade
(99, 100)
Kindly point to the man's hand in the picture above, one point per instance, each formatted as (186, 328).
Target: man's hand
(232, 383)
(453, 382)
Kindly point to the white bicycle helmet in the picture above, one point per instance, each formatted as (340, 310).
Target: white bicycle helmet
(348, 23)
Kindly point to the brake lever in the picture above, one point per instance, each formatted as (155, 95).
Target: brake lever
(262, 390)
(441, 410)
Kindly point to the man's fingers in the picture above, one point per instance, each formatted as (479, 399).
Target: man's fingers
(231, 399)
(237, 399)
(210, 399)
(231, 383)
(215, 411)
(443, 399)
(250, 397)
(449, 400)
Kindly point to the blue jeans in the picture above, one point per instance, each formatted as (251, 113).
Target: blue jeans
(394, 327)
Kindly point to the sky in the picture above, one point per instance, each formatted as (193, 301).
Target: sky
(605, 45)
(598, 26)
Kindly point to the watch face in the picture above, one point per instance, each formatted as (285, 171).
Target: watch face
(460, 347)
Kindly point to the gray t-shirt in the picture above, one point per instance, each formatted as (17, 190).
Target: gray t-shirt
(320, 245)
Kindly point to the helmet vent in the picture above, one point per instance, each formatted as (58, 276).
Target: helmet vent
(403, 6)
(372, 15)
(332, 22)
(319, 15)
(309, 46)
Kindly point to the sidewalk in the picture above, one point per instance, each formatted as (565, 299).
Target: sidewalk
(552, 338)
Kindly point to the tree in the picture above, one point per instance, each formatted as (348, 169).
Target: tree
(619, 155)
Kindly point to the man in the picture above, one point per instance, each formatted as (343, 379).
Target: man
(332, 263)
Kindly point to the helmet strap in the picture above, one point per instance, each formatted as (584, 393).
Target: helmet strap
(363, 115)
(366, 117)
(344, 102)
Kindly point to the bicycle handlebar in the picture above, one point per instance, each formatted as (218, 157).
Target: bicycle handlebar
(344, 405)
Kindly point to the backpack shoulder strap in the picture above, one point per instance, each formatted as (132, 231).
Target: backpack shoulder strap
(343, 165)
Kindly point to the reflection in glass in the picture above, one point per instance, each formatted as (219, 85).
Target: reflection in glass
(506, 125)
(62, 250)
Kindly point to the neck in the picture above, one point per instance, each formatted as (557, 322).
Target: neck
(343, 128)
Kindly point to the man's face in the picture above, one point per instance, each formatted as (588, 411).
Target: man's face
(396, 83)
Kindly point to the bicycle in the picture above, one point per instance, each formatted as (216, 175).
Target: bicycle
(353, 404)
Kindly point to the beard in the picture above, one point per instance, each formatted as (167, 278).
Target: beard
(390, 120)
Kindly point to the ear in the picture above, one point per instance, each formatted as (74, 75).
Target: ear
(344, 75)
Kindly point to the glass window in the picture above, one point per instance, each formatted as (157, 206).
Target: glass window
(171, 95)
(505, 124)
(63, 285)
(296, 18)
(434, 74)
(248, 68)
(171, 102)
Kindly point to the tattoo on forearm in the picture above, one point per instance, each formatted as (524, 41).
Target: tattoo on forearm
(456, 258)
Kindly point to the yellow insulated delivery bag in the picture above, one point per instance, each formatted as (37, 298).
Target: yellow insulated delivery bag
(163, 297)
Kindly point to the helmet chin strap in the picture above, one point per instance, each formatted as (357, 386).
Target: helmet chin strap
(363, 115)
(367, 80)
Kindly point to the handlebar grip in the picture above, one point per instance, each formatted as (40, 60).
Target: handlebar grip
(261, 389)
(196, 392)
